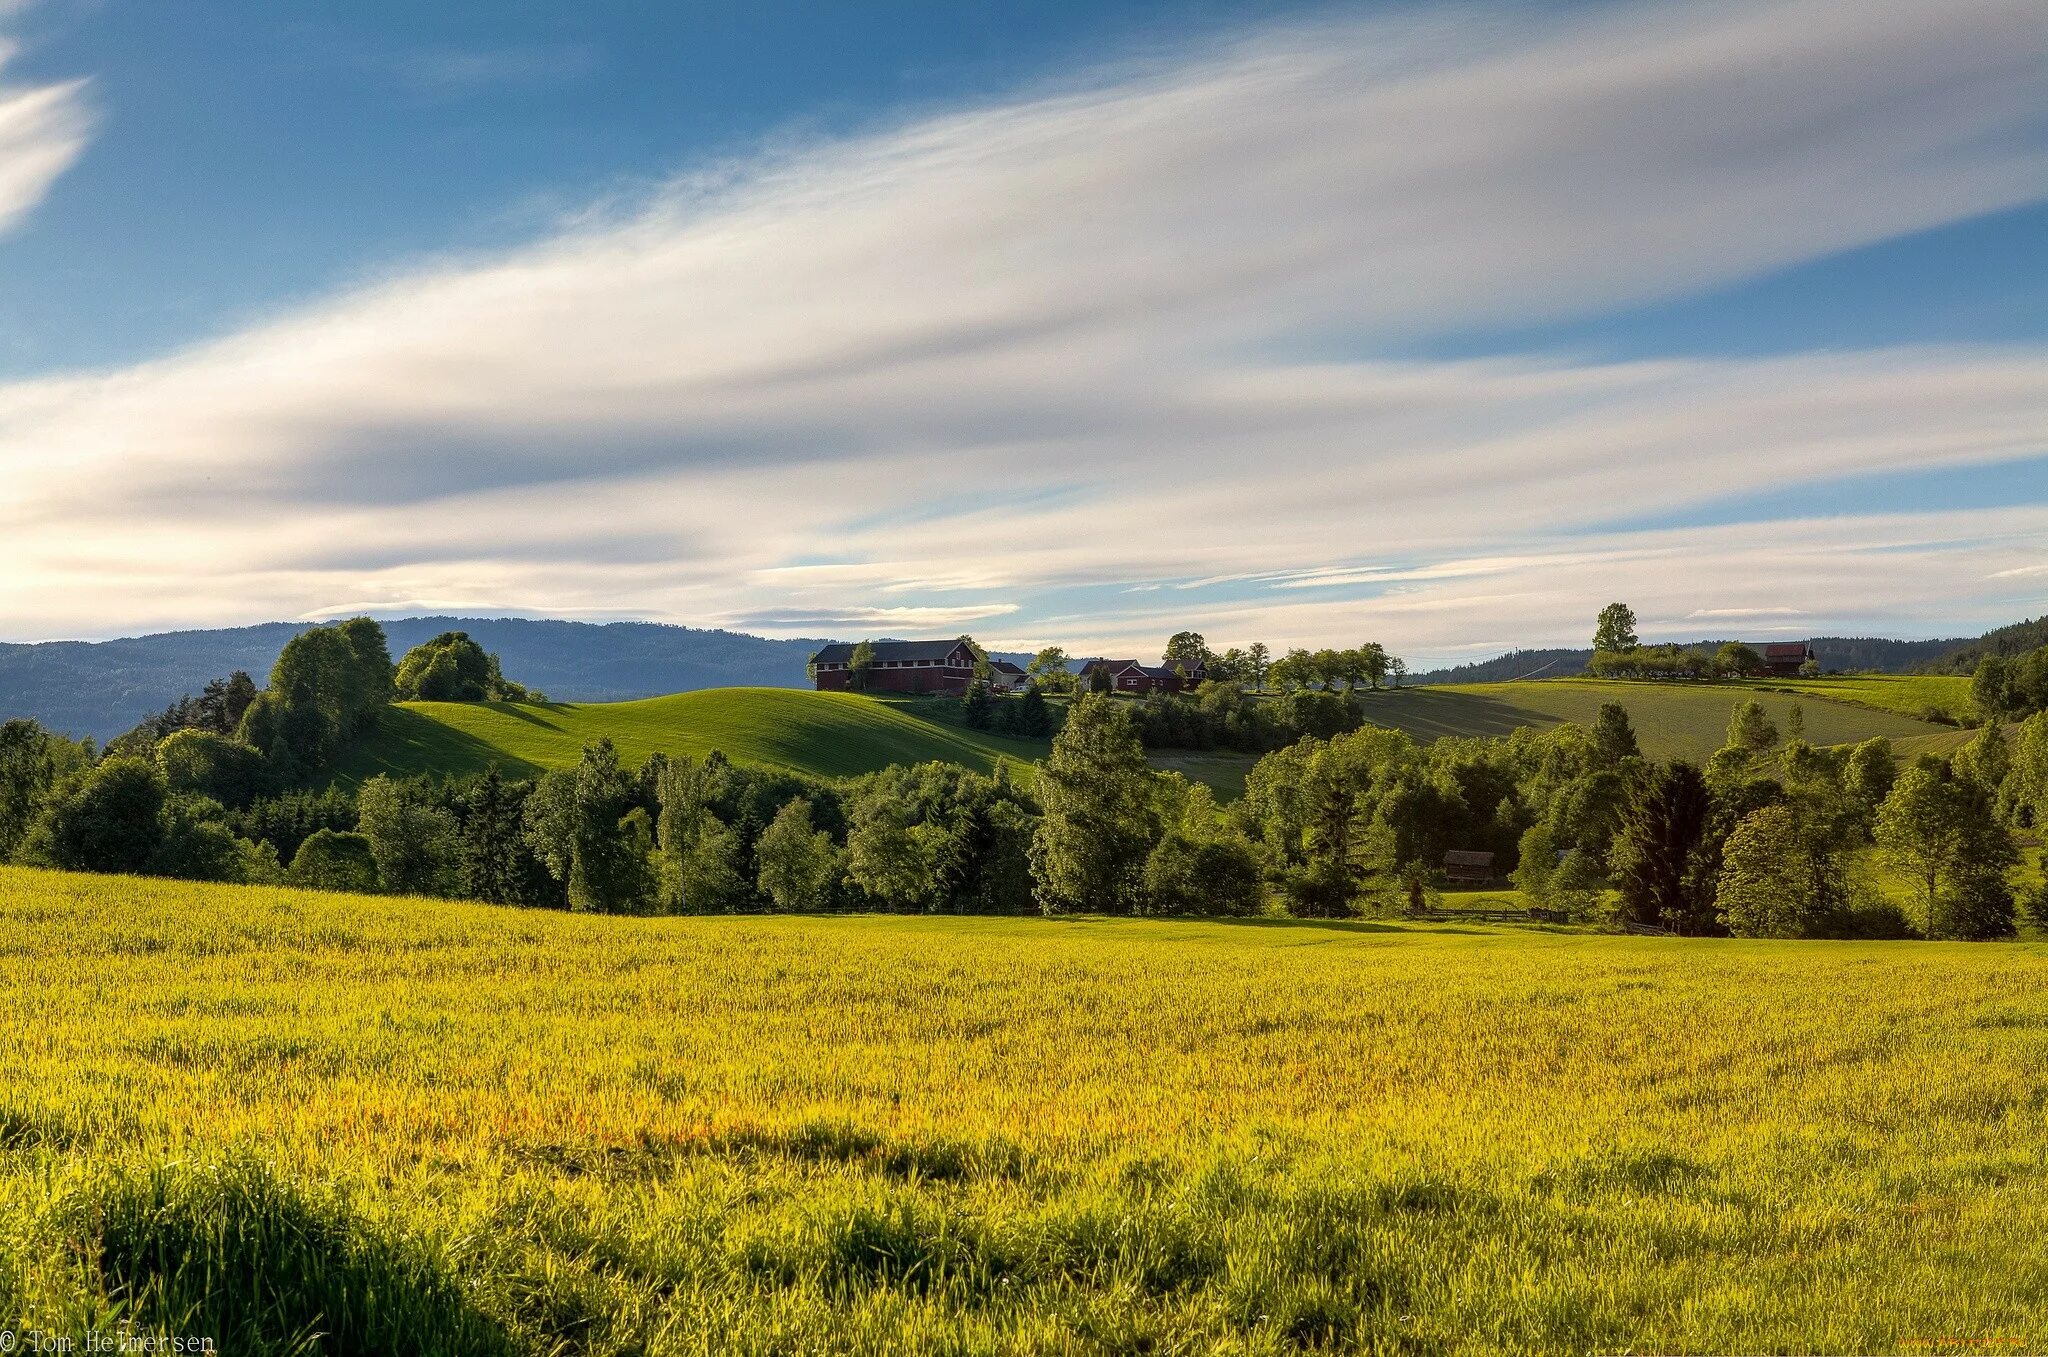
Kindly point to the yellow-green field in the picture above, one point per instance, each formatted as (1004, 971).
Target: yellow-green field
(1906, 694)
(1684, 720)
(422, 1126)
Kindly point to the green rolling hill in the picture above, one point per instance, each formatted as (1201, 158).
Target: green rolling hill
(844, 734)
(1688, 719)
(827, 734)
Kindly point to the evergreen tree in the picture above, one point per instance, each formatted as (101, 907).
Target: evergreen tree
(1034, 714)
(494, 861)
(1658, 856)
(978, 705)
(1750, 728)
(1098, 823)
(1614, 736)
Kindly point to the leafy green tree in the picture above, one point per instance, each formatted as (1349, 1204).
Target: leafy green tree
(453, 668)
(1187, 875)
(328, 685)
(198, 844)
(1868, 778)
(196, 760)
(2026, 785)
(1616, 629)
(369, 671)
(1260, 658)
(1736, 660)
(1660, 861)
(106, 819)
(1098, 821)
(1048, 670)
(707, 864)
(798, 864)
(1336, 856)
(1372, 663)
(1779, 879)
(1536, 860)
(413, 839)
(1987, 687)
(1188, 648)
(331, 861)
(890, 857)
(1940, 830)
(1987, 760)
(574, 823)
(28, 769)
(860, 666)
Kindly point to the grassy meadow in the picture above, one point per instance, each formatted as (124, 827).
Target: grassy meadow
(1688, 720)
(827, 734)
(304, 1122)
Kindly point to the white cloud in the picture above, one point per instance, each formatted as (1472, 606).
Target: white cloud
(1013, 351)
(42, 131)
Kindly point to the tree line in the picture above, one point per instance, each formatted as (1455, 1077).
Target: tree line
(1769, 837)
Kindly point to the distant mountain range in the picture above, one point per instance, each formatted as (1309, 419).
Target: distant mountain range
(102, 688)
(1851, 654)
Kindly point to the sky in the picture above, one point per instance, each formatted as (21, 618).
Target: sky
(1437, 324)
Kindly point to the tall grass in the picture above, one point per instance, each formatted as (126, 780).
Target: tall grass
(302, 1122)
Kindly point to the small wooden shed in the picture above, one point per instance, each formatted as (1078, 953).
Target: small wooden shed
(1462, 864)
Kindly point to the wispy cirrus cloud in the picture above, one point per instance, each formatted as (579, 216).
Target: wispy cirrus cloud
(1107, 334)
(43, 130)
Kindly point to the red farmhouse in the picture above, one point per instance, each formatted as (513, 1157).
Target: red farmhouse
(1128, 676)
(900, 667)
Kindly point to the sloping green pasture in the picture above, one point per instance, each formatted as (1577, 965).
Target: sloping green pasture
(299, 1122)
(1671, 719)
(826, 734)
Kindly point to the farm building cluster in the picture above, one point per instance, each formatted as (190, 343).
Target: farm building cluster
(947, 667)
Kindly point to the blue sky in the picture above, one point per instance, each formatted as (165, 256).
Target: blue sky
(1440, 324)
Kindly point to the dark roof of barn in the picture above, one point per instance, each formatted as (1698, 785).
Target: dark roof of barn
(1466, 857)
(841, 652)
(1785, 650)
(1113, 666)
(1005, 667)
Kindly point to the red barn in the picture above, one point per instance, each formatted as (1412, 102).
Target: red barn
(1782, 659)
(900, 667)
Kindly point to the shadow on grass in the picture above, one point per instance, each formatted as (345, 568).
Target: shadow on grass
(406, 742)
(525, 711)
(1427, 713)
